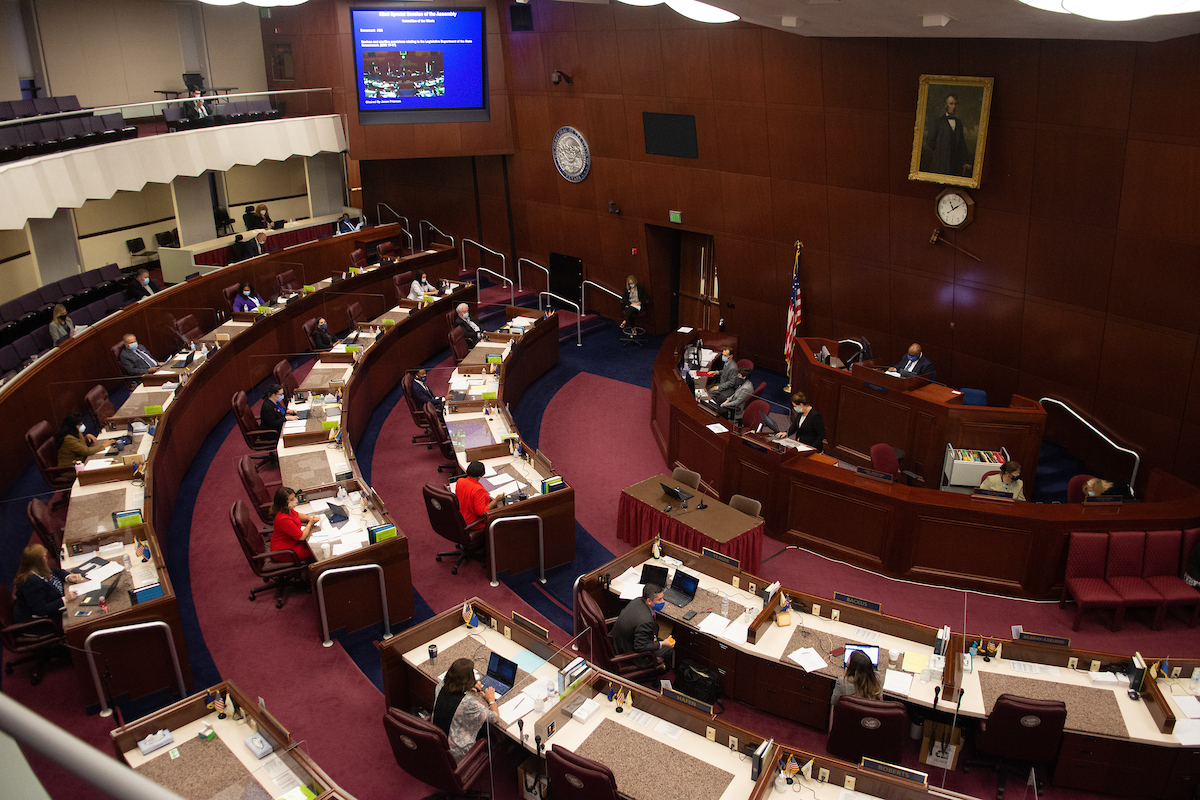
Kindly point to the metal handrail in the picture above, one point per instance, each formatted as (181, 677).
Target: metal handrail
(533, 264)
(583, 293)
(503, 260)
(150, 104)
(387, 623)
(491, 535)
(578, 315)
(105, 711)
(512, 301)
(399, 218)
(101, 770)
(1137, 460)
(421, 224)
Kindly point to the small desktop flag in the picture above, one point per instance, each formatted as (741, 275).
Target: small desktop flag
(468, 615)
(144, 550)
(209, 701)
(219, 706)
(792, 766)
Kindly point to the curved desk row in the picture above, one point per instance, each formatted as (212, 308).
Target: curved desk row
(1114, 744)
(918, 534)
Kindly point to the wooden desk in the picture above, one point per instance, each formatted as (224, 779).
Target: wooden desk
(1016, 549)
(641, 515)
(225, 765)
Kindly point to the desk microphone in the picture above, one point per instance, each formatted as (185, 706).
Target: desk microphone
(703, 505)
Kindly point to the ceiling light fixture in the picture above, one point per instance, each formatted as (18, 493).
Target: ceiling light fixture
(701, 12)
(221, 2)
(642, 2)
(1116, 10)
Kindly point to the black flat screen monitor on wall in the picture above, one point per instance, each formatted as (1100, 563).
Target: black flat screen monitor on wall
(420, 65)
(670, 135)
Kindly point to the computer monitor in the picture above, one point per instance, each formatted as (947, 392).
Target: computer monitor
(866, 349)
(823, 356)
(768, 421)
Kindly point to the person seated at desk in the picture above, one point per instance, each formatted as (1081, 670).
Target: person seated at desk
(136, 360)
(346, 226)
(143, 286)
(274, 411)
(470, 328)
(197, 108)
(75, 444)
(61, 326)
(915, 363)
(727, 383)
(860, 680)
(39, 587)
(808, 427)
(252, 220)
(632, 300)
(263, 215)
(474, 501)
(256, 246)
(462, 705)
(422, 394)
(733, 407)
(286, 531)
(636, 629)
(1095, 487)
(1007, 480)
(247, 299)
(322, 338)
(421, 287)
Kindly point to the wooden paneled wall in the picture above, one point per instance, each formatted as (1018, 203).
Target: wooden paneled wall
(1088, 220)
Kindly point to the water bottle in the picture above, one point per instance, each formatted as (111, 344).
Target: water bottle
(724, 606)
(342, 494)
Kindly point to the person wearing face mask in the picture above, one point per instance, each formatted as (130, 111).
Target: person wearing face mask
(322, 338)
(421, 287)
(807, 426)
(632, 301)
(135, 359)
(636, 629)
(247, 299)
(727, 382)
(421, 393)
(1007, 480)
(290, 529)
(74, 443)
(274, 411)
(61, 326)
(143, 286)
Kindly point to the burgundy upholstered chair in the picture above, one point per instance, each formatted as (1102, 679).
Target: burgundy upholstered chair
(99, 404)
(231, 292)
(574, 777)
(1086, 554)
(1160, 569)
(288, 282)
(257, 438)
(277, 569)
(386, 250)
(1075, 488)
(459, 346)
(417, 412)
(284, 377)
(1019, 733)
(444, 517)
(49, 530)
(358, 259)
(189, 329)
(630, 666)
(403, 283)
(423, 751)
(871, 728)
(1123, 572)
(752, 416)
(354, 315)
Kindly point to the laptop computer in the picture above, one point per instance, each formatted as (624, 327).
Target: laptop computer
(501, 674)
(871, 651)
(653, 574)
(683, 589)
(682, 495)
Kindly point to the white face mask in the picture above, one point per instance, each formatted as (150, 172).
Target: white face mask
(82, 429)
(246, 292)
(146, 281)
(131, 345)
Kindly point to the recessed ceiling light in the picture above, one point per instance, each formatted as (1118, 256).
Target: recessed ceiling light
(702, 12)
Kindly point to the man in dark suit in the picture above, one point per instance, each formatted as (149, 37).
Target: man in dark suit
(915, 363)
(421, 392)
(135, 359)
(636, 629)
(251, 219)
(470, 328)
(256, 246)
(143, 286)
(808, 427)
(945, 147)
(346, 226)
(198, 110)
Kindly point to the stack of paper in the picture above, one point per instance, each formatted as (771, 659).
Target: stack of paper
(736, 632)
(516, 708)
(713, 625)
(294, 426)
(1188, 704)
(897, 682)
(808, 658)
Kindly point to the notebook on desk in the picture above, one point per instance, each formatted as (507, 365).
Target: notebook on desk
(501, 674)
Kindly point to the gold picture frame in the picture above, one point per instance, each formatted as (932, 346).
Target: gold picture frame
(951, 131)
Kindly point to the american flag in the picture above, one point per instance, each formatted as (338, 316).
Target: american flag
(793, 320)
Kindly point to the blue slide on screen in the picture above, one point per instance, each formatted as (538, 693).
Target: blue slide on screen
(420, 60)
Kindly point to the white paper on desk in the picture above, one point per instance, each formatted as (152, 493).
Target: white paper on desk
(631, 591)
(318, 506)
(713, 624)
(665, 728)
(1188, 704)
(1187, 731)
(514, 709)
(278, 772)
(139, 427)
(82, 588)
(866, 635)
(685, 330)
(344, 547)
(295, 426)
(1105, 677)
(1034, 669)
(736, 632)
(717, 427)
(808, 658)
(105, 572)
(897, 682)
(506, 488)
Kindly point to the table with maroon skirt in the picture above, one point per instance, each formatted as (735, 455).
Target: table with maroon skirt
(641, 515)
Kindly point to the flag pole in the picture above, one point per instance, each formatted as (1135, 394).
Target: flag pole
(793, 319)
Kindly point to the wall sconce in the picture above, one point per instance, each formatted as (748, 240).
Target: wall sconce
(558, 76)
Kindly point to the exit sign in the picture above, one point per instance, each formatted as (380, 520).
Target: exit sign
(676, 217)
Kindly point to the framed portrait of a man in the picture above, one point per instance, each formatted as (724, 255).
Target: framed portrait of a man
(951, 130)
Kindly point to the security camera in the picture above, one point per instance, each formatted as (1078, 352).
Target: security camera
(558, 76)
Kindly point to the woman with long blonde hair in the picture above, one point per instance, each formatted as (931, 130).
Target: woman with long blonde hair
(39, 586)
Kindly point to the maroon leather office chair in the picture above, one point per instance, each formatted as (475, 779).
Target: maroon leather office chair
(40, 440)
(354, 315)
(752, 416)
(257, 438)
(872, 728)
(1123, 572)
(278, 569)
(284, 377)
(257, 490)
(574, 777)
(49, 531)
(419, 417)
(403, 283)
(441, 437)
(231, 293)
(36, 641)
(423, 751)
(459, 346)
(636, 667)
(131, 382)
(444, 517)
(98, 403)
(358, 259)
(308, 327)
(386, 250)
(288, 282)
(189, 329)
(1086, 554)
(1160, 569)
(884, 459)
(1075, 488)
(1019, 733)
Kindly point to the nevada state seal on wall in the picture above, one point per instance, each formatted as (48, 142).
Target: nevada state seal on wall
(571, 155)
